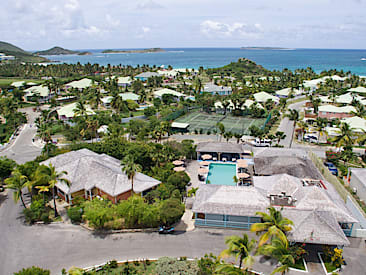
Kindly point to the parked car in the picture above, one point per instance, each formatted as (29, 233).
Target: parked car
(166, 230)
(261, 142)
(311, 138)
(332, 168)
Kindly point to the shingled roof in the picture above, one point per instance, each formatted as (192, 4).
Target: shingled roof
(315, 211)
(86, 170)
(292, 165)
(222, 147)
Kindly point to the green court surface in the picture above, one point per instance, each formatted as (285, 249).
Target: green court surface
(207, 122)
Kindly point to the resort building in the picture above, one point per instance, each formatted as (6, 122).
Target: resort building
(124, 81)
(125, 96)
(144, 76)
(332, 112)
(217, 90)
(67, 112)
(357, 125)
(80, 84)
(262, 97)
(223, 151)
(97, 175)
(161, 92)
(348, 98)
(287, 92)
(42, 93)
(361, 90)
(4, 57)
(18, 84)
(179, 127)
(318, 213)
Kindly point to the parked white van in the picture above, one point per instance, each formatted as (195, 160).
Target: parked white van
(261, 142)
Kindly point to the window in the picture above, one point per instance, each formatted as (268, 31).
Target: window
(201, 216)
(214, 217)
(243, 219)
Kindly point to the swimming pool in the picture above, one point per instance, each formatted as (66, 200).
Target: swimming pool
(221, 174)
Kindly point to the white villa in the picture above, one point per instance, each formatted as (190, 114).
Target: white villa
(41, 91)
(287, 92)
(80, 84)
(67, 112)
(262, 97)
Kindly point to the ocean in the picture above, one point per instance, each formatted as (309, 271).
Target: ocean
(272, 59)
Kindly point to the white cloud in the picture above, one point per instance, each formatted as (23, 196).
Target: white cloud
(146, 29)
(216, 29)
(149, 5)
(143, 32)
(111, 21)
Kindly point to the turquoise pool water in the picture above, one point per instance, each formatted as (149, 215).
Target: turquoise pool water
(221, 174)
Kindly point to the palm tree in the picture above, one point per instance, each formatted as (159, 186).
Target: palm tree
(279, 250)
(17, 182)
(130, 168)
(229, 269)
(345, 136)
(294, 116)
(279, 135)
(303, 126)
(43, 189)
(97, 98)
(51, 177)
(321, 123)
(241, 249)
(80, 109)
(274, 224)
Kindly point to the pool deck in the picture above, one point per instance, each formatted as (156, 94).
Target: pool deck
(194, 165)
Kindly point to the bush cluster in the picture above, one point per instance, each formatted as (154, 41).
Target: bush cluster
(131, 213)
(37, 212)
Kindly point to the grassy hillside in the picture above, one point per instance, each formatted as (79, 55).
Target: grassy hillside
(19, 53)
(243, 66)
(56, 51)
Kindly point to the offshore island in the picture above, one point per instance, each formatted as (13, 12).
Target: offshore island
(151, 50)
(60, 51)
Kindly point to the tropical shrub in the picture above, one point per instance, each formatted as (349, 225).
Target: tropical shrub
(174, 266)
(98, 212)
(36, 212)
(34, 270)
(171, 210)
(75, 214)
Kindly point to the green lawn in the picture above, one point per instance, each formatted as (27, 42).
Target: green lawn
(8, 81)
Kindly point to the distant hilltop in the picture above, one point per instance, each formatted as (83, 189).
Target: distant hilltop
(60, 51)
(264, 48)
(151, 50)
(19, 54)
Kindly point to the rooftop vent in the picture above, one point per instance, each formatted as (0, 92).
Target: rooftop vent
(282, 200)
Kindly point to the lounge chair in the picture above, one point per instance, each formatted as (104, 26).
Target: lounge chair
(214, 159)
(233, 159)
(224, 159)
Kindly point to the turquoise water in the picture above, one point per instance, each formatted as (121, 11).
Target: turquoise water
(221, 174)
(318, 59)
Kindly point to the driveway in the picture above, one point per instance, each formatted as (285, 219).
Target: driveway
(287, 126)
(22, 148)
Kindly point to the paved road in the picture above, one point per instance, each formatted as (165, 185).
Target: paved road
(22, 149)
(287, 126)
(60, 246)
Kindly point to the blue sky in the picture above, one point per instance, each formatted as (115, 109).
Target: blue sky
(91, 24)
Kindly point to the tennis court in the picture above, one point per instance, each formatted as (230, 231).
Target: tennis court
(207, 122)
